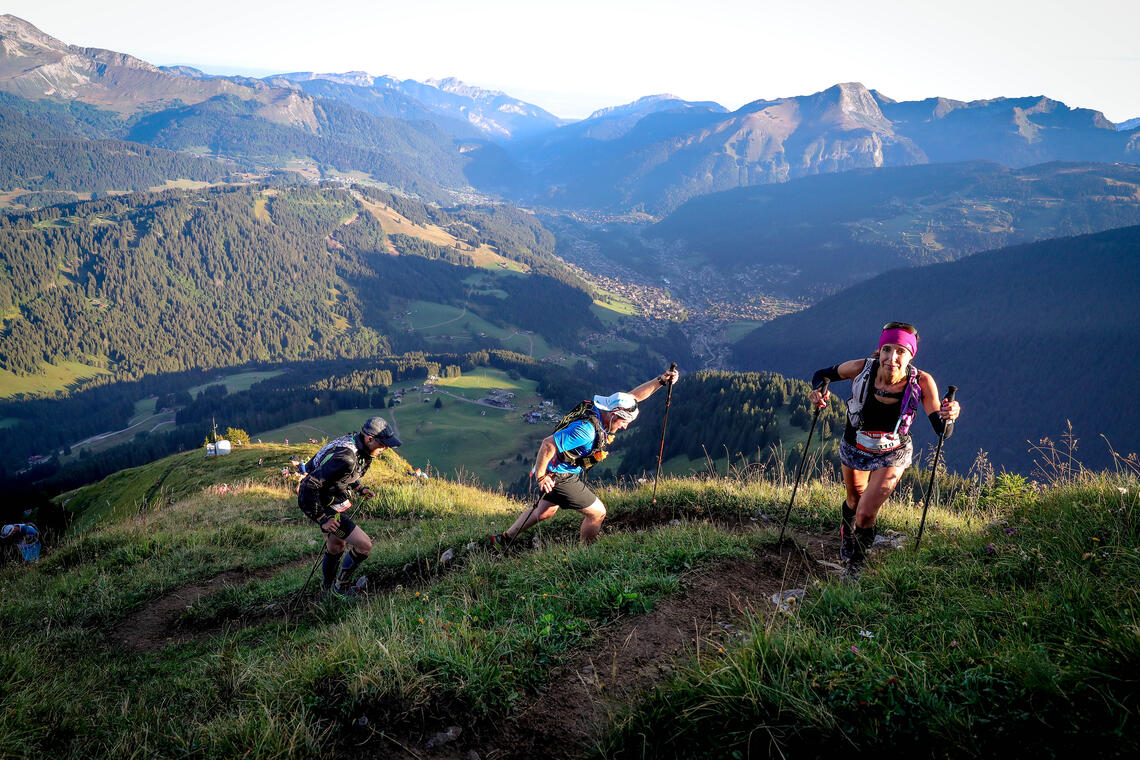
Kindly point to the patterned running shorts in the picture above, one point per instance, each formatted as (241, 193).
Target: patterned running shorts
(857, 459)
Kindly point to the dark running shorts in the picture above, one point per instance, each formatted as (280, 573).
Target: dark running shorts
(343, 530)
(569, 491)
(857, 459)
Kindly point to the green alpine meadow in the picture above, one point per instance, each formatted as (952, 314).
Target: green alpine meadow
(1014, 626)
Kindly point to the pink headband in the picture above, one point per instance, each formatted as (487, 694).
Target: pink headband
(899, 338)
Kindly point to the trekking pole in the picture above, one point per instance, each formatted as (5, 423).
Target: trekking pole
(933, 472)
(664, 422)
(324, 550)
(803, 461)
(304, 588)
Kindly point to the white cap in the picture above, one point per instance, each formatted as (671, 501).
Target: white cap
(623, 405)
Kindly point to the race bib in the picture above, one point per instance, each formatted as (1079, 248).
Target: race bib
(341, 506)
(877, 443)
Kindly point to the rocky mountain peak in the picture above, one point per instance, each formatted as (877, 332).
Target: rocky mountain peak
(848, 106)
(22, 33)
(458, 87)
(637, 105)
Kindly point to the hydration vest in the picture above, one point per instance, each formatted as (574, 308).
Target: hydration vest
(585, 411)
(864, 382)
(326, 451)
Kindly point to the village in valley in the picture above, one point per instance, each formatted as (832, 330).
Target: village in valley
(498, 398)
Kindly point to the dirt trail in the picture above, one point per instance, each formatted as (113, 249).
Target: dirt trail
(581, 697)
(155, 625)
(571, 711)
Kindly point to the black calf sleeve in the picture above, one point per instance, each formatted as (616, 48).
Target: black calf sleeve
(329, 567)
(848, 517)
(348, 567)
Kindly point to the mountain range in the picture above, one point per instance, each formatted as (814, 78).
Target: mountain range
(670, 156)
(651, 155)
(461, 109)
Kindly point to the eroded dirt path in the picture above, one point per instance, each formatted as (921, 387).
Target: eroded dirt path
(155, 624)
(570, 713)
(724, 593)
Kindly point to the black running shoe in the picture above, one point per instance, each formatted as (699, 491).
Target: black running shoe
(499, 541)
(848, 548)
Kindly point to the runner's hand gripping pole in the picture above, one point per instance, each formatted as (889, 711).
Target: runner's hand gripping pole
(953, 389)
(664, 422)
(803, 461)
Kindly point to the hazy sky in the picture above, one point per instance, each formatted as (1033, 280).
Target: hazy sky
(574, 57)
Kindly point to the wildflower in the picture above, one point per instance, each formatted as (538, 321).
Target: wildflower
(867, 634)
(990, 549)
(855, 649)
(1123, 491)
(1095, 538)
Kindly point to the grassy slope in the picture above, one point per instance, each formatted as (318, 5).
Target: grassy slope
(452, 328)
(476, 637)
(1017, 635)
(394, 223)
(1021, 632)
(55, 377)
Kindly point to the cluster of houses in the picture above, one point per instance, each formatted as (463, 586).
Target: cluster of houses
(498, 397)
(425, 390)
(544, 411)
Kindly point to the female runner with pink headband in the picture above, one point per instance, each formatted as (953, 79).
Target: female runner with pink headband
(887, 391)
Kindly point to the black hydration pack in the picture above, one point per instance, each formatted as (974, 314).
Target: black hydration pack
(585, 411)
(326, 452)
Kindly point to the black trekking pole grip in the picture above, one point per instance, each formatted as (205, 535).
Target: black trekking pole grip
(803, 460)
(664, 422)
(951, 390)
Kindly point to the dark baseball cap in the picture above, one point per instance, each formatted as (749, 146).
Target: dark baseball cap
(378, 428)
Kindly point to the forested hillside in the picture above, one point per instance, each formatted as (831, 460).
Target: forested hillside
(830, 231)
(173, 281)
(177, 281)
(1033, 335)
(35, 155)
